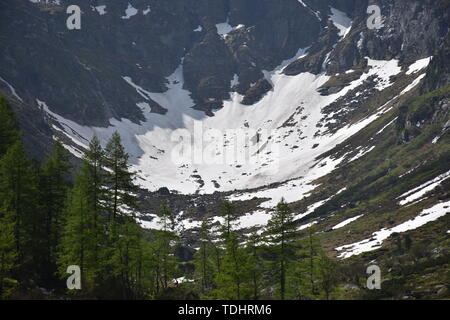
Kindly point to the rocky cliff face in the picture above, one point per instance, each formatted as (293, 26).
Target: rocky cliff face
(411, 30)
(224, 47)
(79, 73)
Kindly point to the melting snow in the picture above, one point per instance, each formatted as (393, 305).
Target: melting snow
(377, 238)
(156, 223)
(413, 84)
(361, 153)
(384, 128)
(312, 208)
(346, 222)
(101, 10)
(313, 12)
(11, 88)
(419, 192)
(152, 143)
(183, 280)
(419, 65)
(306, 226)
(130, 11)
(146, 11)
(341, 21)
(224, 28)
(254, 219)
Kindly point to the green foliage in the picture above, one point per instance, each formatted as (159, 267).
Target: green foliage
(232, 279)
(9, 128)
(83, 240)
(163, 250)
(119, 179)
(281, 231)
(205, 267)
(8, 254)
(54, 184)
(227, 212)
(254, 266)
(305, 271)
(100, 232)
(327, 275)
(17, 198)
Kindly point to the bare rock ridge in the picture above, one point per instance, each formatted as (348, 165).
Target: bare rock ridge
(79, 73)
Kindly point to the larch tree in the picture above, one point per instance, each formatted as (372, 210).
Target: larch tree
(280, 231)
(18, 198)
(54, 184)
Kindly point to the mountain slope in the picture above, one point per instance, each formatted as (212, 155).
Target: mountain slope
(252, 101)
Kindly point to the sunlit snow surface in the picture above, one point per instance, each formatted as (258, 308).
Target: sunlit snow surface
(377, 238)
(418, 65)
(341, 21)
(224, 28)
(419, 192)
(346, 222)
(293, 156)
(130, 11)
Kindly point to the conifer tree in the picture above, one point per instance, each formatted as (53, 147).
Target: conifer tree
(232, 281)
(83, 241)
(121, 198)
(83, 236)
(54, 185)
(327, 275)
(9, 128)
(164, 251)
(227, 212)
(254, 265)
(124, 234)
(18, 198)
(280, 230)
(8, 254)
(204, 266)
(305, 272)
(125, 256)
(233, 275)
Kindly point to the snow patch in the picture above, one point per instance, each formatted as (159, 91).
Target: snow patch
(254, 219)
(224, 28)
(346, 222)
(306, 226)
(376, 240)
(146, 11)
(101, 10)
(11, 88)
(419, 192)
(311, 10)
(413, 84)
(384, 128)
(341, 21)
(151, 143)
(418, 65)
(130, 11)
